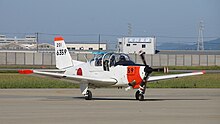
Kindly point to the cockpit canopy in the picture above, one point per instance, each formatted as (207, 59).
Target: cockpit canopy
(112, 59)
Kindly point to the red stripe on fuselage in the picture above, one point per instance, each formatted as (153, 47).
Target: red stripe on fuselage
(133, 73)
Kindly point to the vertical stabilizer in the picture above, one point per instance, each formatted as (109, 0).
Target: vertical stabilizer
(63, 58)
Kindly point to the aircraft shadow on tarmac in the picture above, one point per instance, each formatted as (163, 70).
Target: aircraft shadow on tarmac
(130, 99)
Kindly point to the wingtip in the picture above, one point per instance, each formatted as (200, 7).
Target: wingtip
(25, 71)
(58, 38)
(201, 72)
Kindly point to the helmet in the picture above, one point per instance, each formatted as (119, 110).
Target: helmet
(122, 58)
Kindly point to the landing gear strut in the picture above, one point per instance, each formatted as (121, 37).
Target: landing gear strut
(88, 95)
(84, 90)
(139, 95)
(141, 90)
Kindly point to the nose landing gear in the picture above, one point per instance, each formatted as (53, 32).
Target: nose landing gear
(139, 95)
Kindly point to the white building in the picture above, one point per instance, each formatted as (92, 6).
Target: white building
(135, 44)
(17, 43)
(27, 43)
(86, 46)
(28, 40)
(30, 43)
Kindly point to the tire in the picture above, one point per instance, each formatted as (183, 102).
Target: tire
(137, 95)
(141, 97)
(88, 95)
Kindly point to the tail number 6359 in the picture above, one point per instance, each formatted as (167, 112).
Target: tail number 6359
(61, 52)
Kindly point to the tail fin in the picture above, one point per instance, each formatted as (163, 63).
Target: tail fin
(63, 58)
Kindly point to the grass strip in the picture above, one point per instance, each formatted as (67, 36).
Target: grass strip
(12, 80)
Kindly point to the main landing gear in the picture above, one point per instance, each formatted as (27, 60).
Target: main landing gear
(84, 90)
(88, 95)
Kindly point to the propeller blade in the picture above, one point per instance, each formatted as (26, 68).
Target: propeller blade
(141, 53)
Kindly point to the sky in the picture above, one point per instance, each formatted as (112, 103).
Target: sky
(85, 19)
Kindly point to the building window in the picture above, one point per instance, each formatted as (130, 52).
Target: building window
(134, 44)
(73, 48)
(68, 48)
(100, 48)
(128, 44)
(90, 48)
(10, 40)
(119, 42)
(143, 46)
(81, 48)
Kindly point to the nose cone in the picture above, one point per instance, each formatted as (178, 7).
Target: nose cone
(148, 69)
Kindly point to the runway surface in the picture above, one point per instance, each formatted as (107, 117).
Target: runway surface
(67, 106)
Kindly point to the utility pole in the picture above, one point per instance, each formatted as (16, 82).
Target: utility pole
(99, 41)
(37, 40)
(200, 44)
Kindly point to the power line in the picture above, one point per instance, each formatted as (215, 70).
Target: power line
(110, 35)
(65, 34)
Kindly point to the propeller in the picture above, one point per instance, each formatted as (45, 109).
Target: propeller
(141, 53)
(148, 70)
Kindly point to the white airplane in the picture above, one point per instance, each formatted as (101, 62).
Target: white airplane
(105, 69)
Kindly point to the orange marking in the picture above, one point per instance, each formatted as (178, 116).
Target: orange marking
(58, 38)
(134, 74)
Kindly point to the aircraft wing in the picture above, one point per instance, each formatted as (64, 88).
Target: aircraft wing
(73, 78)
(164, 77)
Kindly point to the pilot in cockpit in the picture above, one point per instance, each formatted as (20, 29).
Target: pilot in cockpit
(112, 61)
(121, 61)
(98, 61)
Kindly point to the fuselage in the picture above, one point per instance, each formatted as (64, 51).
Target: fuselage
(122, 74)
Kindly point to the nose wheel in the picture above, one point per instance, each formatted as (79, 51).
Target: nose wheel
(88, 95)
(139, 96)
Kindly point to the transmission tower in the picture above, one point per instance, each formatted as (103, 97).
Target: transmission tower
(200, 44)
(129, 29)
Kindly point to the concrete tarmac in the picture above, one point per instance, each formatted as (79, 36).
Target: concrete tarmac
(67, 106)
